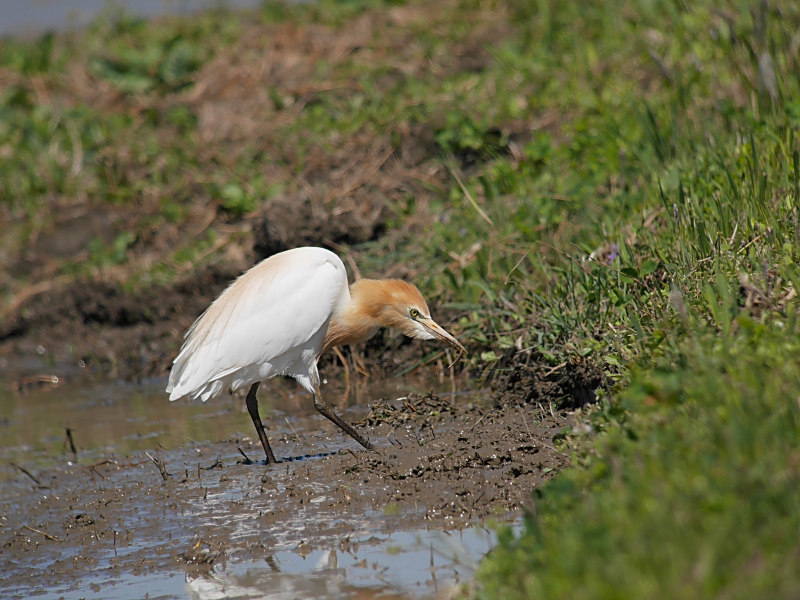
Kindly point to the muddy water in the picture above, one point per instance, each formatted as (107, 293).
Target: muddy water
(406, 520)
(120, 417)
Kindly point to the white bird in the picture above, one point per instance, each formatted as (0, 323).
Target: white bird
(279, 317)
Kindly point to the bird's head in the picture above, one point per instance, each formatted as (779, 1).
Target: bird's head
(399, 305)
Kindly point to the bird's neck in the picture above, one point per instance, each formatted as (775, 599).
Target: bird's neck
(358, 319)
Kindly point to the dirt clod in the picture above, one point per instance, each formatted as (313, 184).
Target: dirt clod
(290, 223)
(528, 377)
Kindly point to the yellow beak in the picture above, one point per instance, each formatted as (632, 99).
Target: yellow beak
(440, 334)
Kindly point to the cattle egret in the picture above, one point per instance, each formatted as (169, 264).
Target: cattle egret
(279, 317)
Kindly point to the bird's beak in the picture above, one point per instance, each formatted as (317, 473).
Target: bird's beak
(437, 332)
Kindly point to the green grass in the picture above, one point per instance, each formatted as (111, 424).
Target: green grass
(685, 488)
(613, 184)
(690, 495)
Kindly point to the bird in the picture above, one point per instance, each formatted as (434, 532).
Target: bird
(279, 317)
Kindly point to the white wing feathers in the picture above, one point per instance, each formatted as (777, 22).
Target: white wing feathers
(271, 321)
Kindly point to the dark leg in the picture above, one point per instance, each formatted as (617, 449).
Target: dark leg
(326, 412)
(252, 408)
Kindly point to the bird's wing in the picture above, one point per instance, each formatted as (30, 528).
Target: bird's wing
(262, 323)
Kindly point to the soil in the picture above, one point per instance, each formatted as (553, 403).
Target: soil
(436, 464)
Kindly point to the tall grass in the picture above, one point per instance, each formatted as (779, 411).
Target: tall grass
(686, 487)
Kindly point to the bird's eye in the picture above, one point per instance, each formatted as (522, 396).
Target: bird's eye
(414, 313)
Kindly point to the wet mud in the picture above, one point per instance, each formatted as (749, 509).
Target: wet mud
(191, 515)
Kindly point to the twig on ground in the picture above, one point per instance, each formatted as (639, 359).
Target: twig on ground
(71, 442)
(26, 472)
(247, 460)
(45, 534)
(160, 464)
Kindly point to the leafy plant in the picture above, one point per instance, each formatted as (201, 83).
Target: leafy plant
(166, 66)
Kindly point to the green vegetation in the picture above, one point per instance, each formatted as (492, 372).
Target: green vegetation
(613, 184)
(687, 279)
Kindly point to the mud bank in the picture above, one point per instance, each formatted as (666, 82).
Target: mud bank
(115, 519)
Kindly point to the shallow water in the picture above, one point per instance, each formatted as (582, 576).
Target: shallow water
(121, 417)
(406, 564)
(419, 563)
(322, 551)
(32, 17)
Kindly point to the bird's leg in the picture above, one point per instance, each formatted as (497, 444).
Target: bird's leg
(252, 408)
(326, 412)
